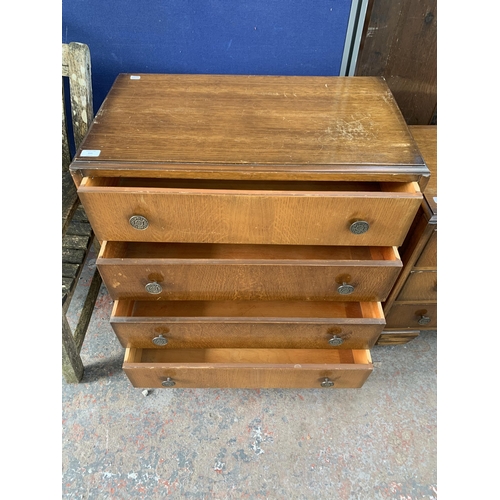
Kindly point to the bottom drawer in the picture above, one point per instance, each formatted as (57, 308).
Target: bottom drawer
(247, 368)
(396, 337)
(413, 316)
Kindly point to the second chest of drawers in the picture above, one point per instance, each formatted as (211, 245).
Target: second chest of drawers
(412, 304)
(249, 225)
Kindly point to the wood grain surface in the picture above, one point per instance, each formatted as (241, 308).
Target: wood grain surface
(426, 138)
(420, 285)
(248, 272)
(292, 122)
(397, 337)
(247, 368)
(260, 216)
(247, 324)
(419, 250)
(428, 256)
(400, 43)
(406, 315)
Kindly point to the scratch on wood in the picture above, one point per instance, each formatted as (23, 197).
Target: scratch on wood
(349, 130)
(388, 97)
(372, 29)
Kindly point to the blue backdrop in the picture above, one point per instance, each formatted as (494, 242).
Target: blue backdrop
(279, 37)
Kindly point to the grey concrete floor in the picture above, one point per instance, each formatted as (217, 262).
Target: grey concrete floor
(377, 442)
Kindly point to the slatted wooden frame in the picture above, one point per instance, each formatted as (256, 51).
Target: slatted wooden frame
(77, 235)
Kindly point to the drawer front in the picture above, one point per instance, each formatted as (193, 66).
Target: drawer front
(231, 331)
(247, 368)
(428, 257)
(186, 335)
(266, 276)
(250, 216)
(412, 316)
(421, 286)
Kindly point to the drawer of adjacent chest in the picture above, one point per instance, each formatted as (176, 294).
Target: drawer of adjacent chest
(184, 271)
(255, 212)
(420, 285)
(428, 257)
(413, 316)
(246, 324)
(247, 368)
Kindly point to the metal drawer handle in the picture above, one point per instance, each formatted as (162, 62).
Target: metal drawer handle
(153, 288)
(169, 382)
(345, 289)
(359, 227)
(160, 340)
(326, 382)
(335, 341)
(424, 320)
(139, 222)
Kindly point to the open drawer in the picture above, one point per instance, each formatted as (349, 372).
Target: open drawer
(247, 324)
(207, 271)
(259, 212)
(247, 368)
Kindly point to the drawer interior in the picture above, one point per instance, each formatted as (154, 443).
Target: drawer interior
(248, 185)
(216, 251)
(253, 310)
(248, 356)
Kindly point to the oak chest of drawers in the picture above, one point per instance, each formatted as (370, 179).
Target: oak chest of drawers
(412, 303)
(249, 225)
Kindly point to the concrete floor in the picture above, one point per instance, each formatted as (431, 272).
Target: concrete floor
(377, 442)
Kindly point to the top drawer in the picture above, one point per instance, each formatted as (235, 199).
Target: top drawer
(255, 212)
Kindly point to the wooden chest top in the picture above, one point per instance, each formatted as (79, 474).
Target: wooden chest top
(233, 126)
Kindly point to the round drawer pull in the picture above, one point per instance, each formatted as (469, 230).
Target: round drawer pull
(326, 382)
(139, 222)
(336, 341)
(424, 320)
(345, 289)
(168, 383)
(153, 288)
(359, 227)
(160, 340)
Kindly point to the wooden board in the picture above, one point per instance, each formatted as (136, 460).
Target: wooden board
(220, 124)
(407, 315)
(397, 337)
(420, 286)
(248, 272)
(427, 141)
(246, 324)
(399, 42)
(247, 368)
(291, 217)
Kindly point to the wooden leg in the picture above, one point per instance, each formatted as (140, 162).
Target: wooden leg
(72, 365)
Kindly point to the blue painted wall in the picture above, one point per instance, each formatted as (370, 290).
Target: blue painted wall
(279, 37)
